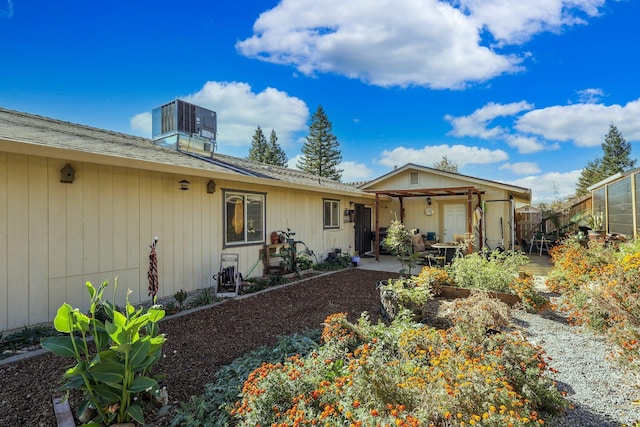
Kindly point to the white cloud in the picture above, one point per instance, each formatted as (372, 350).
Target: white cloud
(514, 22)
(528, 144)
(240, 111)
(352, 171)
(521, 168)
(476, 123)
(532, 130)
(141, 124)
(590, 95)
(584, 124)
(8, 11)
(429, 43)
(549, 186)
(461, 155)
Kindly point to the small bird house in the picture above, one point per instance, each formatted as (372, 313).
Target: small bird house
(67, 174)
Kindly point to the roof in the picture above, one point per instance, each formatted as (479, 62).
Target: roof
(474, 183)
(30, 134)
(612, 178)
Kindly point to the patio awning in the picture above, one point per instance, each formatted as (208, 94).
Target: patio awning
(427, 192)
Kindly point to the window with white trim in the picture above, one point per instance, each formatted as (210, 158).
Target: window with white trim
(243, 217)
(331, 213)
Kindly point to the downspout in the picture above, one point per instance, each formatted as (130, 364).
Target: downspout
(378, 227)
(469, 219)
(634, 208)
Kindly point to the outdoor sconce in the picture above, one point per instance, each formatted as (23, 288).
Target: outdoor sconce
(429, 201)
(211, 186)
(184, 184)
(67, 174)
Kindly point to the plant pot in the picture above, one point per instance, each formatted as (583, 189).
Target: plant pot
(596, 235)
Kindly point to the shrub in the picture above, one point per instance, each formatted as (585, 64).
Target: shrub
(600, 289)
(402, 375)
(398, 242)
(406, 293)
(213, 407)
(492, 271)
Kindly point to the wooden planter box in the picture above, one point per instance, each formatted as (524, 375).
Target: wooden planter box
(453, 292)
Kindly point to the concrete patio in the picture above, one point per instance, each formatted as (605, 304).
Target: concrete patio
(540, 264)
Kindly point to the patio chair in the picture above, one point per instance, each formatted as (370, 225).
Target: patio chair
(540, 242)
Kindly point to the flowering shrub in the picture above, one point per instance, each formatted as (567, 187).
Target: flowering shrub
(403, 375)
(600, 287)
(435, 278)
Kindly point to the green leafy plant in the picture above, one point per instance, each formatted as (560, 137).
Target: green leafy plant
(293, 259)
(334, 263)
(205, 297)
(398, 242)
(493, 271)
(409, 293)
(111, 373)
(181, 297)
(24, 338)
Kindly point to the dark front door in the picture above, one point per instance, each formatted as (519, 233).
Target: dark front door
(363, 229)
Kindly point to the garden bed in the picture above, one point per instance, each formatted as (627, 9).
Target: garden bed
(199, 343)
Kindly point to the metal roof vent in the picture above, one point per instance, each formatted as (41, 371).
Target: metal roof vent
(185, 127)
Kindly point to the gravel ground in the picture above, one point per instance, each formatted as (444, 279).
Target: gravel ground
(600, 391)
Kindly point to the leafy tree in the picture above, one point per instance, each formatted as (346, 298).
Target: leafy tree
(446, 165)
(321, 152)
(275, 155)
(616, 158)
(258, 146)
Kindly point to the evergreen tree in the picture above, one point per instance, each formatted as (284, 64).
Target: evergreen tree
(616, 158)
(321, 152)
(446, 165)
(617, 153)
(258, 147)
(275, 154)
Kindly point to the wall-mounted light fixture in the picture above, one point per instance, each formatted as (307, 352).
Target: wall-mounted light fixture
(67, 174)
(184, 184)
(350, 202)
(429, 201)
(211, 186)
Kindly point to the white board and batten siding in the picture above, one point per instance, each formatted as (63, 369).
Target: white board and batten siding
(54, 236)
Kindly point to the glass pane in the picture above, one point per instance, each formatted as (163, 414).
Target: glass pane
(255, 218)
(335, 213)
(327, 213)
(620, 213)
(234, 218)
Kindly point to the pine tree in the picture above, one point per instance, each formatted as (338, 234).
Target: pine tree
(617, 153)
(321, 152)
(616, 158)
(275, 154)
(446, 165)
(258, 146)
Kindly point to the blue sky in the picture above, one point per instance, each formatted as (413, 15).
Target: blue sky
(521, 92)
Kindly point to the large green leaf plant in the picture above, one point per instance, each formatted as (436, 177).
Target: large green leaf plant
(113, 372)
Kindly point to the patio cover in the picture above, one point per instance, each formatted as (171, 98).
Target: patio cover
(428, 192)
